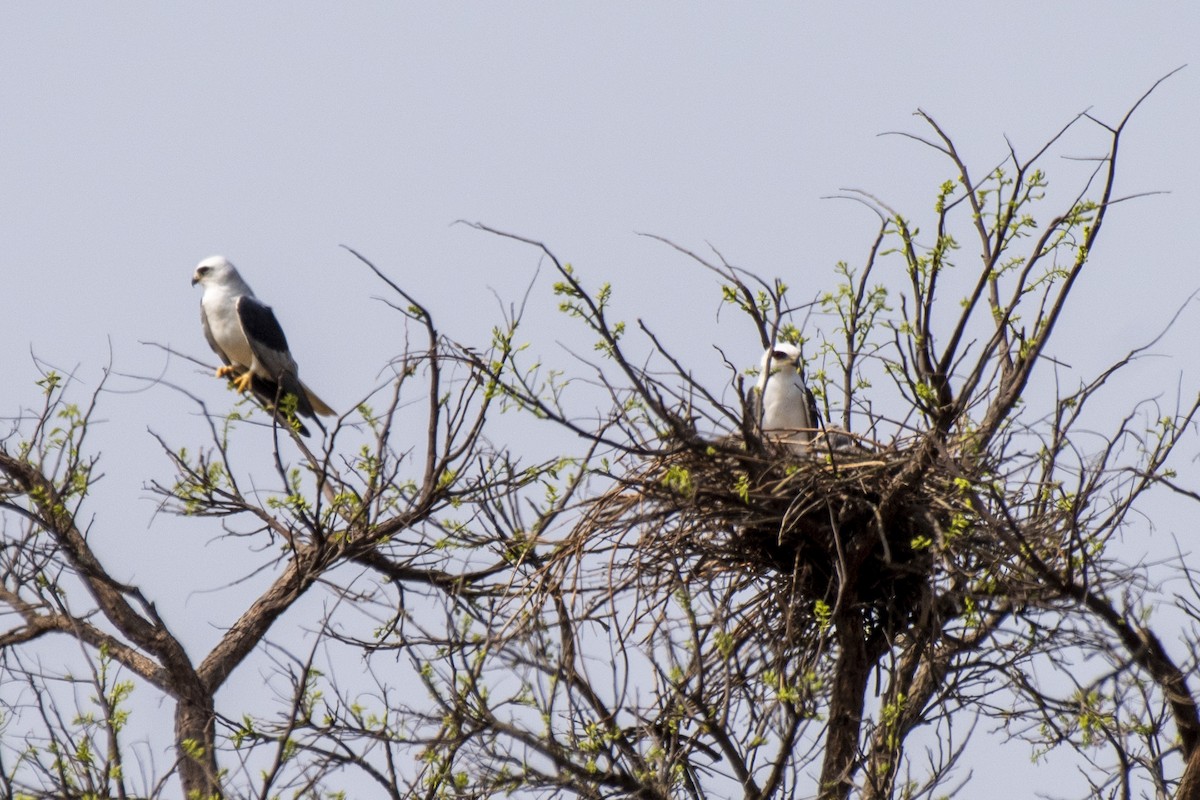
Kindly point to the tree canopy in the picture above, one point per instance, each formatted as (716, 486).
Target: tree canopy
(671, 603)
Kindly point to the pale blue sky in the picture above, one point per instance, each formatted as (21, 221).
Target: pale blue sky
(136, 139)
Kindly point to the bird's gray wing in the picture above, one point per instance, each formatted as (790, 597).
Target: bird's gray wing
(755, 407)
(814, 414)
(270, 348)
(212, 341)
(810, 405)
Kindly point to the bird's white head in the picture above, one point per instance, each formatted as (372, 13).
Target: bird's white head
(217, 271)
(782, 358)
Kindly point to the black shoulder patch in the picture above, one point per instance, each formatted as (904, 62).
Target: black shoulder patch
(260, 325)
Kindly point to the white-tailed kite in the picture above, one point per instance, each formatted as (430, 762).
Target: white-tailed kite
(248, 339)
(785, 407)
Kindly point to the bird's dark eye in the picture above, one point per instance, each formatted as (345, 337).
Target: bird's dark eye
(204, 270)
(779, 355)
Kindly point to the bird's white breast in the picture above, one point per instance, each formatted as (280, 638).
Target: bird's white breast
(785, 405)
(221, 311)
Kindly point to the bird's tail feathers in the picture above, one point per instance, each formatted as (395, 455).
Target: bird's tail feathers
(318, 405)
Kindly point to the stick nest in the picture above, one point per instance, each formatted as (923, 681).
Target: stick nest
(800, 539)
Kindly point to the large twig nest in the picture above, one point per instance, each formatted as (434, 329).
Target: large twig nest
(813, 533)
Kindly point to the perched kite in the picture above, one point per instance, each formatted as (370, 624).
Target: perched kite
(785, 407)
(248, 339)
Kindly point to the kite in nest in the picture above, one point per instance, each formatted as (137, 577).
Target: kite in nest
(786, 410)
(247, 337)
(783, 405)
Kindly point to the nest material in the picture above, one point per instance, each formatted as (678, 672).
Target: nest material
(813, 533)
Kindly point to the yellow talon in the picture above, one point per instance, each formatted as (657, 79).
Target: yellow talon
(225, 371)
(242, 383)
